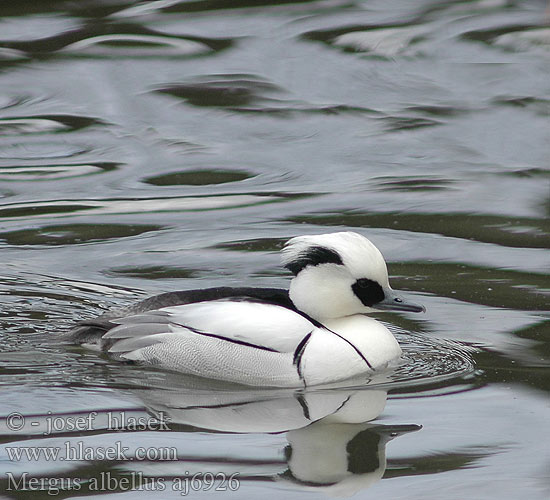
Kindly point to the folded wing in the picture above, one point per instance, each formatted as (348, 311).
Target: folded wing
(237, 340)
(264, 326)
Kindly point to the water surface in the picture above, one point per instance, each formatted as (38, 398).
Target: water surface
(173, 144)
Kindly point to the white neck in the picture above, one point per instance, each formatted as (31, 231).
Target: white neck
(324, 292)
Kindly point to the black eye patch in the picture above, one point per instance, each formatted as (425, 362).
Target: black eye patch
(369, 292)
(314, 256)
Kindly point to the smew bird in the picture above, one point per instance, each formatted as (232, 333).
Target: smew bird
(317, 332)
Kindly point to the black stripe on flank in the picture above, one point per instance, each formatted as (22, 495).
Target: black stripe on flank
(300, 349)
(233, 341)
(299, 352)
(355, 348)
(313, 256)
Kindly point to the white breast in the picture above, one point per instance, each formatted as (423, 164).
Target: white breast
(349, 347)
(369, 336)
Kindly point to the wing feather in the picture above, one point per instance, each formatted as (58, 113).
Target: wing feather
(137, 330)
(154, 316)
(130, 344)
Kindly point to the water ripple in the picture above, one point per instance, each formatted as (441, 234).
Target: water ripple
(118, 40)
(410, 184)
(250, 94)
(136, 45)
(486, 228)
(153, 272)
(42, 124)
(222, 90)
(41, 150)
(74, 234)
(53, 171)
(203, 177)
(518, 38)
(383, 41)
(429, 360)
(141, 205)
(388, 42)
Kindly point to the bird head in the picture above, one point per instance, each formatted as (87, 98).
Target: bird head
(340, 274)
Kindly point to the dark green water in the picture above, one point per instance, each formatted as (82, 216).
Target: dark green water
(177, 144)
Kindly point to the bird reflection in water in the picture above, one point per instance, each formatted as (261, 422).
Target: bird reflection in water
(332, 446)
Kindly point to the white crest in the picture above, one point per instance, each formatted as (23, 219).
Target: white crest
(358, 255)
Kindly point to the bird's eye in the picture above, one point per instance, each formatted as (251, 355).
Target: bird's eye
(397, 299)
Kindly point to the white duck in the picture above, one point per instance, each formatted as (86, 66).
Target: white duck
(315, 333)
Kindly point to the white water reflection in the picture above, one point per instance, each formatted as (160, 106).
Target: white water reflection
(383, 42)
(331, 446)
(143, 205)
(525, 40)
(137, 45)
